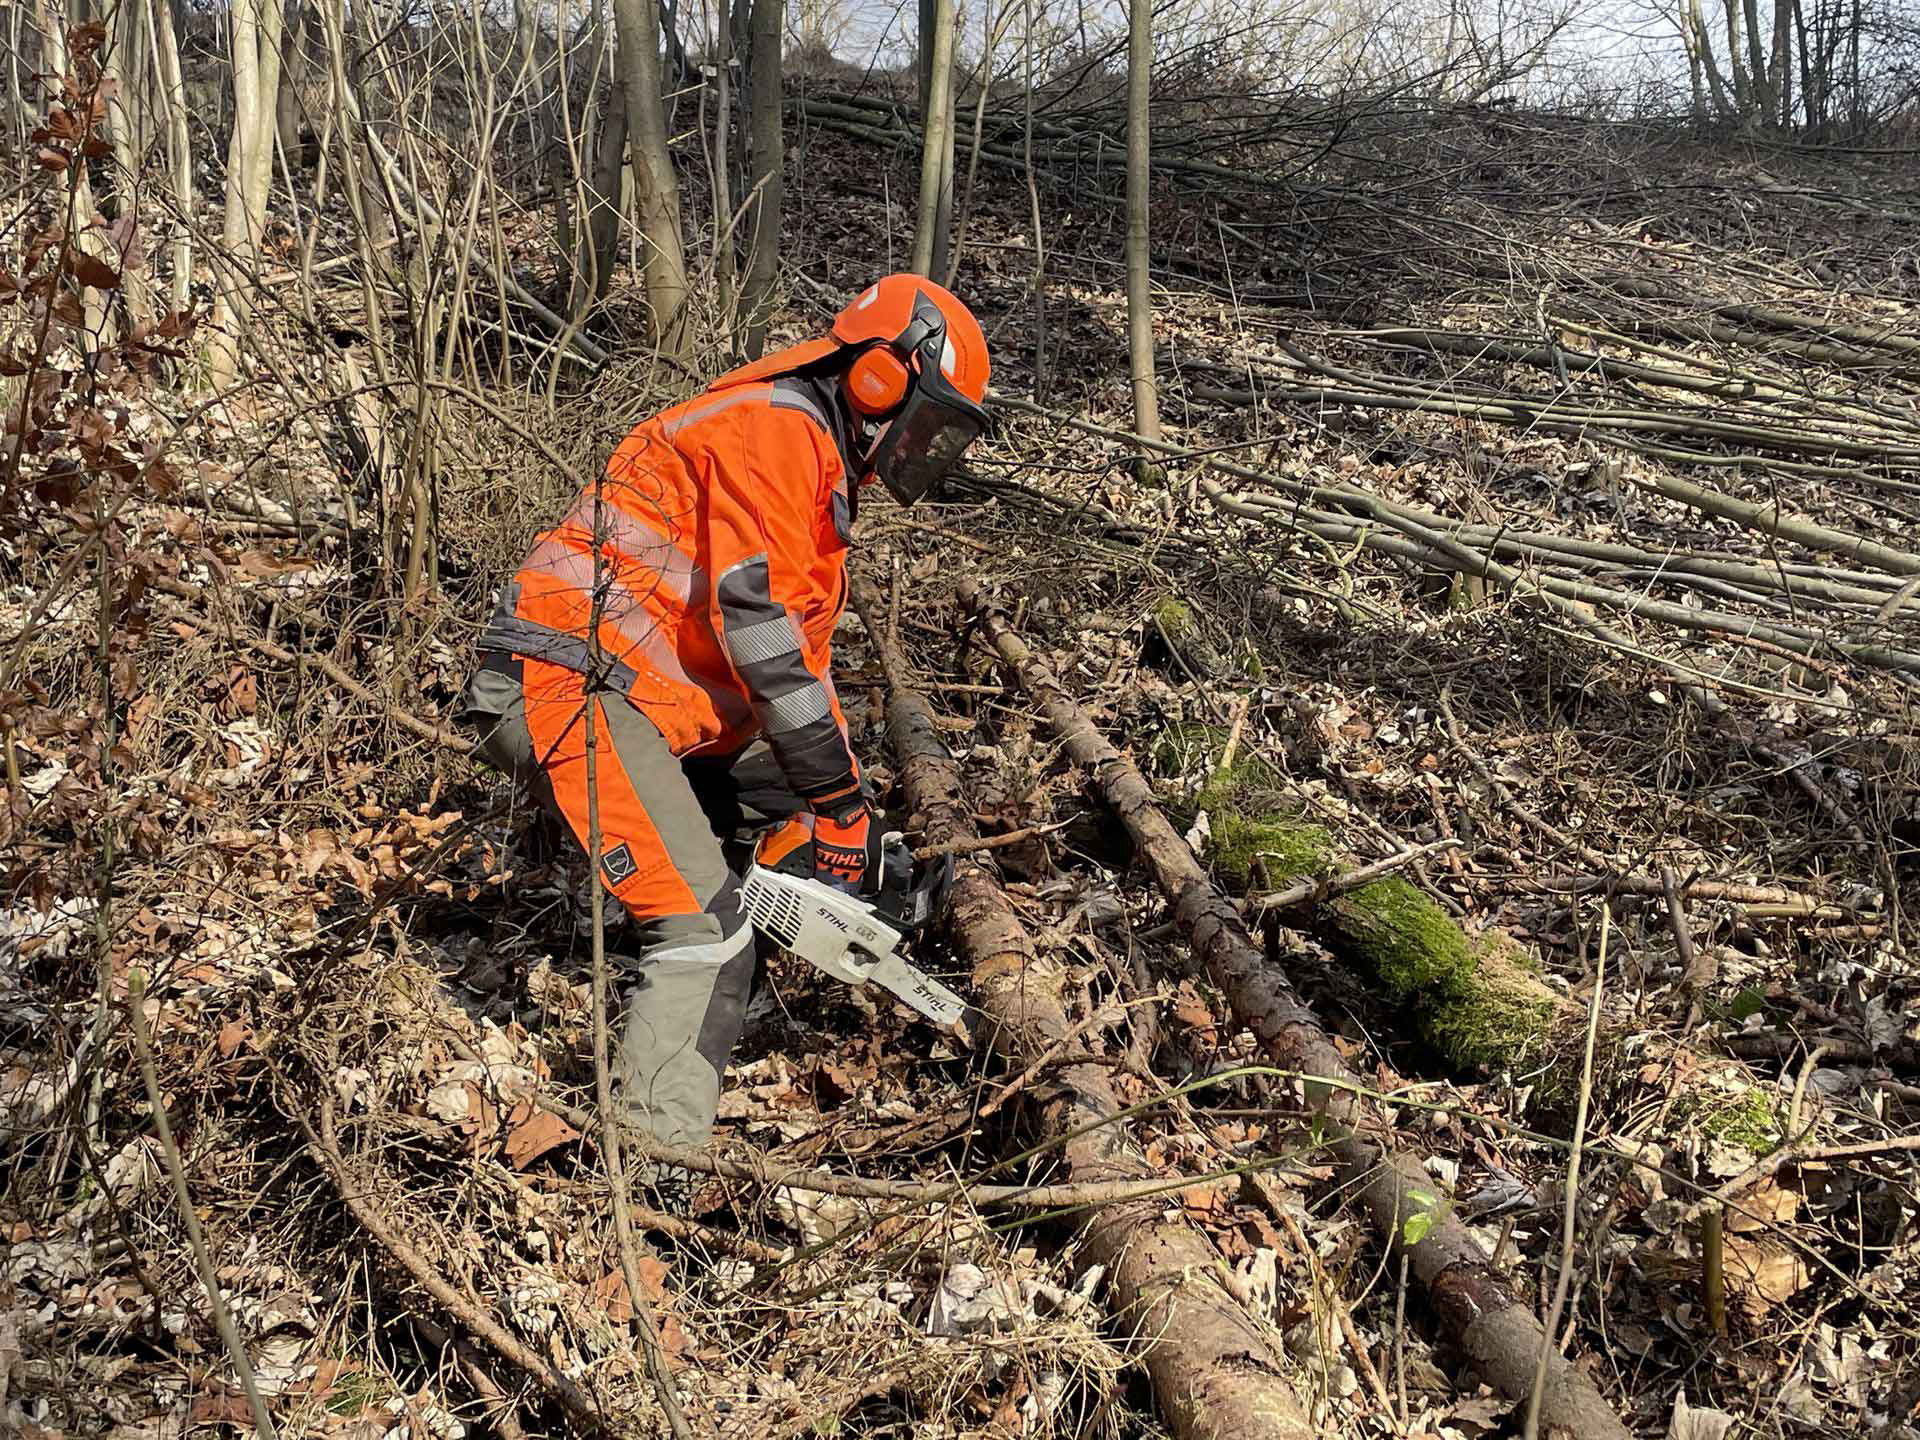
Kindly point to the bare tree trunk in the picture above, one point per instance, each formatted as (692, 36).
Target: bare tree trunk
(663, 264)
(260, 183)
(941, 261)
(1146, 394)
(173, 98)
(669, 15)
(763, 256)
(1780, 67)
(991, 30)
(256, 29)
(726, 268)
(17, 103)
(289, 110)
(1039, 231)
(928, 18)
(597, 242)
(1809, 100)
(1742, 90)
(54, 60)
(119, 63)
(1757, 64)
(936, 153)
(1724, 105)
(1696, 71)
(1856, 102)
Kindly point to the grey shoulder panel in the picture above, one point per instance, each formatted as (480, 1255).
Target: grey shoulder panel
(792, 393)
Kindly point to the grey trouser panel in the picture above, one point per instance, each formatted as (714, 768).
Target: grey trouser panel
(688, 1003)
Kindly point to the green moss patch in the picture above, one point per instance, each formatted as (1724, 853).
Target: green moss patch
(1478, 1000)
(1747, 1118)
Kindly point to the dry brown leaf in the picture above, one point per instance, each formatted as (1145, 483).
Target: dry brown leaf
(1702, 1424)
(1189, 1009)
(262, 566)
(534, 1136)
(242, 695)
(1766, 1272)
(614, 1297)
(233, 1035)
(222, 1410)
(1208, 1198)
(1761, 1207)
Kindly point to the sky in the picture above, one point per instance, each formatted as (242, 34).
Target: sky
(1615, 41)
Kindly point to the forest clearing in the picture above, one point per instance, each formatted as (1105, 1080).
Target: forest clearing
(1408, 711)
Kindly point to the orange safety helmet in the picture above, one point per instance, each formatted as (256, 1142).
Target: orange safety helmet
(920, 371)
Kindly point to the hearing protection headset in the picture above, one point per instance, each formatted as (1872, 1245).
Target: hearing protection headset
(877, 381)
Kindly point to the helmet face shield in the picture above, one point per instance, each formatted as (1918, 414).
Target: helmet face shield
(934, 427)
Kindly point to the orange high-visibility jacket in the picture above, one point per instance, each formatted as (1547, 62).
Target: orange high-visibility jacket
(722, 528)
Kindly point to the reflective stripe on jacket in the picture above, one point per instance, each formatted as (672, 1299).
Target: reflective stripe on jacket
(722, 527)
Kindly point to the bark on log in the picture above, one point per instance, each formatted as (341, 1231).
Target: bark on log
(1495, 1328)
(1216, 1373)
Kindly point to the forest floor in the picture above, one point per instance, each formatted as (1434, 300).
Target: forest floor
(363, 959)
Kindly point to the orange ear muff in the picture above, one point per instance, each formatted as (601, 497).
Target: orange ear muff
(877, 381)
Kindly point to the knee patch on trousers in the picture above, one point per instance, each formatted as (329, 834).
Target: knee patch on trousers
(683, 1017)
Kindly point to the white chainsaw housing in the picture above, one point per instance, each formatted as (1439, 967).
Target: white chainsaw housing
(844, 937)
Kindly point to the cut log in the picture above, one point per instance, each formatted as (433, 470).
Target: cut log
(1217, 1373)
(1497, 1330)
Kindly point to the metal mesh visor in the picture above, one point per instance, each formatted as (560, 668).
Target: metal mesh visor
(922, 445)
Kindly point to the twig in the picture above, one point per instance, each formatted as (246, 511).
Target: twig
(1441, 820)
(1325, 889)
(975, 845)
(1501, 794)
(1046, 1057)
(1713, 1267)
(1234, 731)
(1781, 902)
(1572, 1215)
(463, 1308)
(1400, 1341)
(759, 1171)
(1315, 891)
(1264, 1187)
(609, 1135)
(426, 730)
(183, 1198)
(827, 1417)
(1695, 977)
(1814, 1057)
(501, 1414)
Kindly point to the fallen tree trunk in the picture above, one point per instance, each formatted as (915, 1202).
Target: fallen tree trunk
(1217, 1374)
(1499, 1334)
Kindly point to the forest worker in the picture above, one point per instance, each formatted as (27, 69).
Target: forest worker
(722, 527)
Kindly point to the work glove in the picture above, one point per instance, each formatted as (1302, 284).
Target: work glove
(846, 853)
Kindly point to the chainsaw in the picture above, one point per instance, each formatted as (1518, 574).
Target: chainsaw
(855, 940)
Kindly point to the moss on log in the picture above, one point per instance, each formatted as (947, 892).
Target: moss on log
(1477, 998)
